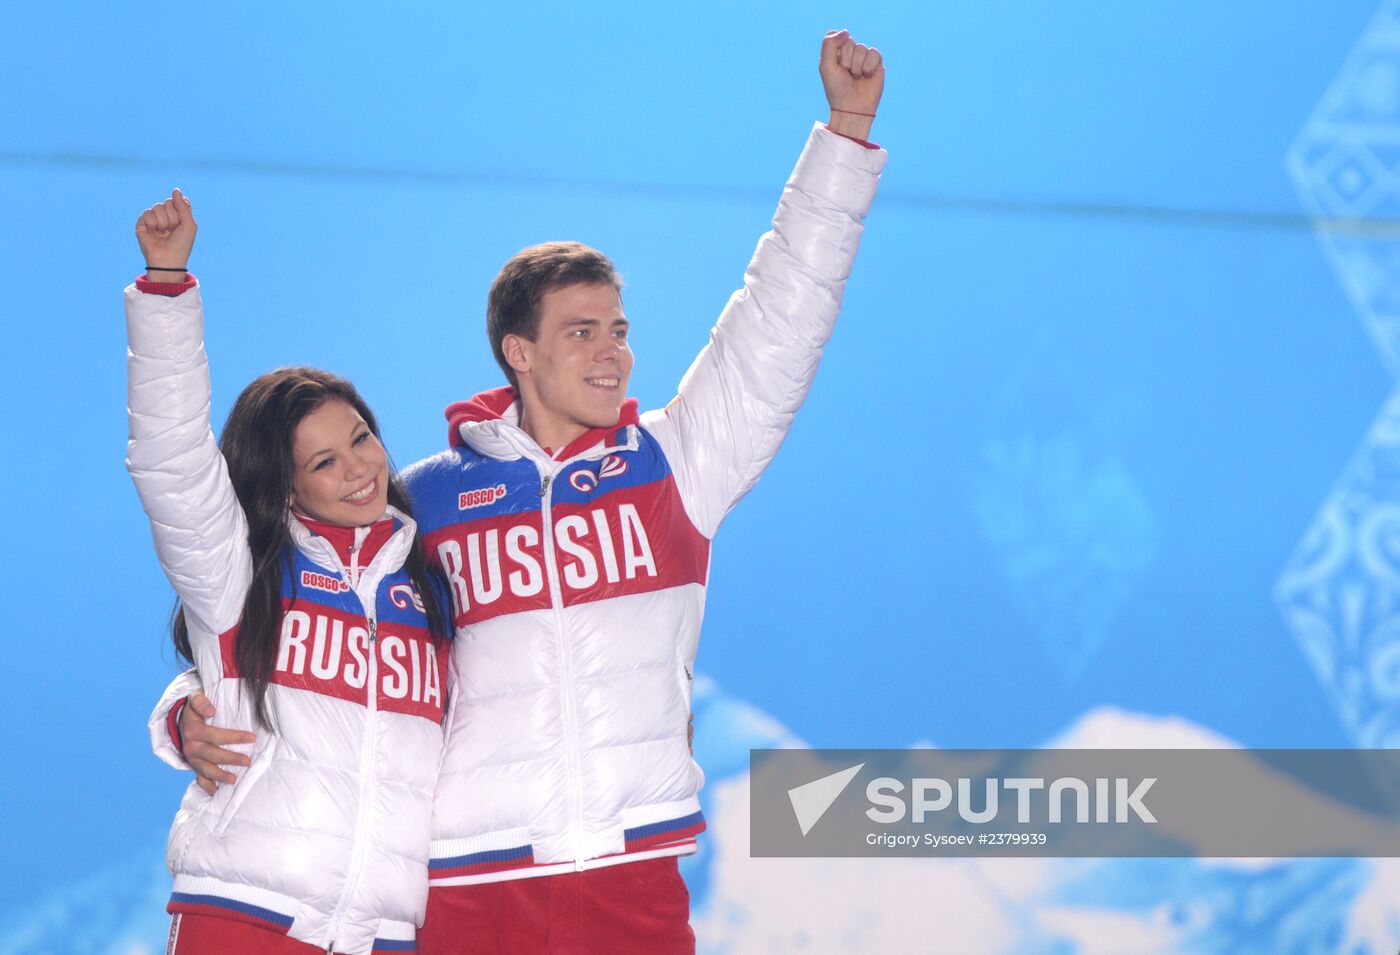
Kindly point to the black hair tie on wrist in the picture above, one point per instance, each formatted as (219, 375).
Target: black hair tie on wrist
(160, 268)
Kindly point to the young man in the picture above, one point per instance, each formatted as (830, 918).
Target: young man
(574, 534)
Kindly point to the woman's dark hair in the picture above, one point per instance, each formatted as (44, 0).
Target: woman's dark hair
(257, 445)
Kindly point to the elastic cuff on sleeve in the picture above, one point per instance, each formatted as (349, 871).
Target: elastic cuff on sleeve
(170, 289)
(172, 726)
(864, 142)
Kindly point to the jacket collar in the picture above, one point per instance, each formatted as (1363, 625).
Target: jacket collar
(389, 558)
(489, 424)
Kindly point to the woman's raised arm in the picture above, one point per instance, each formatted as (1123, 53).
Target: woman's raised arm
(200, 531)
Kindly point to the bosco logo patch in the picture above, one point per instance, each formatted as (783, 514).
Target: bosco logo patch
(326, 582)
(480, 497)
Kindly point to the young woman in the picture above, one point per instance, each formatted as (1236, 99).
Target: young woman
(307, 609)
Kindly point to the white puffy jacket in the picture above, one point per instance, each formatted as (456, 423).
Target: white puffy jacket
(579, 583)
(324, 837)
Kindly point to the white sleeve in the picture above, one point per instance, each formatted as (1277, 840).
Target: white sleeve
(160, 724)
(201, 534)
(737, 401)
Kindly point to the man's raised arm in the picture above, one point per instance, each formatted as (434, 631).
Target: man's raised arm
(737, 401)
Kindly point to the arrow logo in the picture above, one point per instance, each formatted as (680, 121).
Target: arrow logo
(810, 801)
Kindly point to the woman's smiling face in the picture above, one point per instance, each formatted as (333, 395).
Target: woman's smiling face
(341, 474)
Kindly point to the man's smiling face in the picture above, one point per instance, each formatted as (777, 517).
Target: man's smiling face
(574, 375)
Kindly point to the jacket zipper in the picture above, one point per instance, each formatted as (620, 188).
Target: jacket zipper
(368, 751)
(369, 744)
(566, 683)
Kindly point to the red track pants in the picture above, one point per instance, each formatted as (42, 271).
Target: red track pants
(640, 907)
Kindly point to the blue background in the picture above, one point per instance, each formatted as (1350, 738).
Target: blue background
(1093, 380)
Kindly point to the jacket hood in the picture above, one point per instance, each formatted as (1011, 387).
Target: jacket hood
(487, 406)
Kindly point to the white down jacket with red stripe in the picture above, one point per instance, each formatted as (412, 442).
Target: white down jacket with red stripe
(579, 578)
(325, 836)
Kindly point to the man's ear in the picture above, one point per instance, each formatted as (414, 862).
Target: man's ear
(516, 348)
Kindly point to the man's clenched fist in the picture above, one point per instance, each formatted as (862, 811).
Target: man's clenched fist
(854, 77)
(166, 234)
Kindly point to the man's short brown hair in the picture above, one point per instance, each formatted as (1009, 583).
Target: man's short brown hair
(513, 305)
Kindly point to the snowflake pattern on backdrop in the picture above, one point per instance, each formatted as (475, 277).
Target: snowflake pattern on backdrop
(1340, 591)
(1071, 534)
